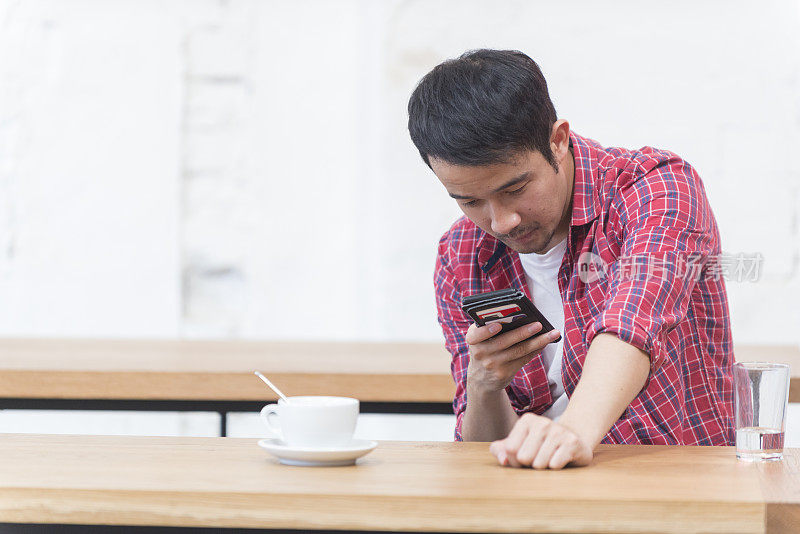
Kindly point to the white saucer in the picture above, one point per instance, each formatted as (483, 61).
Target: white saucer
(307, 457)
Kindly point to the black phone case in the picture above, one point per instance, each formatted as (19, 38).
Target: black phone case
(510, 307)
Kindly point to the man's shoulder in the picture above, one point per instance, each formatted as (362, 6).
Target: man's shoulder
(632, 182)
(615, 161)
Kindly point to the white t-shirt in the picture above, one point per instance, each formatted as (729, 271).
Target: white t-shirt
(541, 273)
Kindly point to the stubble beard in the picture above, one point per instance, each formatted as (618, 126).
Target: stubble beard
(538, 246)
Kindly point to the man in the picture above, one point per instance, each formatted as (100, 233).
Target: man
(616, 247)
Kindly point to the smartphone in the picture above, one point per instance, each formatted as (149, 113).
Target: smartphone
(509, 307)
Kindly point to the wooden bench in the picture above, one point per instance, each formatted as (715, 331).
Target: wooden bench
(223, 370)
(788, 354)
(218, 375)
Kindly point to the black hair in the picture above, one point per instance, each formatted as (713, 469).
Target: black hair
(482, 108)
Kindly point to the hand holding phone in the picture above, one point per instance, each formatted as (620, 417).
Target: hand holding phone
(496, 356)
(511, 308)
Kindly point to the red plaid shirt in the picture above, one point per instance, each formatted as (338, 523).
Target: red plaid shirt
(644, 213)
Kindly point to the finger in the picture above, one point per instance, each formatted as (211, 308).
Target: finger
(509, 339)
(511, 368)
(497, 449)
(581, 455)
(561, 457)
(529, 347)
(530, 449)
(511, 460)
(553, 440)
(516, 438)
(502, 454)
(478, 334)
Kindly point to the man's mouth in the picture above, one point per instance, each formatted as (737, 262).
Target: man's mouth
(520, 236)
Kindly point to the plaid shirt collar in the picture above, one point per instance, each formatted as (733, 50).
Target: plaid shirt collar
(585, 203)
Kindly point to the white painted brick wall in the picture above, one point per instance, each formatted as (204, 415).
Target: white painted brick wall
(247, 157)
(89, 176)
(207, 168)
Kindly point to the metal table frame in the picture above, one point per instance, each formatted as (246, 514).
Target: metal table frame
(223, 407)
(44, 528)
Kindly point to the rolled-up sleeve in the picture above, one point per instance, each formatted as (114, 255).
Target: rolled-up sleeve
(454, 323)
(668, 238)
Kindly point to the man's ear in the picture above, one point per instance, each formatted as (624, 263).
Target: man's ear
(559, 140)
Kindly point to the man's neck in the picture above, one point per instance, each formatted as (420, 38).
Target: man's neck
(566, 218)
(563, 227)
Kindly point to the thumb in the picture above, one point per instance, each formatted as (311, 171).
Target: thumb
(497, 447)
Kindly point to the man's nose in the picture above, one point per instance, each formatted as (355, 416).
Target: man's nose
(504, 220)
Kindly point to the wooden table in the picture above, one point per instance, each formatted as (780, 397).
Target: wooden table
(401, 486)
(218, 375)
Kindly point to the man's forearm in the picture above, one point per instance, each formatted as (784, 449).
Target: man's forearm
(489, 415)
(613, 374)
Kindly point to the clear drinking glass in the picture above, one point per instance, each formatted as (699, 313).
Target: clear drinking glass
(761, 392)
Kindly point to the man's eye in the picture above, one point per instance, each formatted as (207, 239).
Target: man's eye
(469, 203)
(517, 191)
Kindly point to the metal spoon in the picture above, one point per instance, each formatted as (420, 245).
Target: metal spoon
(272, 386)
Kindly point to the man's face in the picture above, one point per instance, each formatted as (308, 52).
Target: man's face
(524, 203)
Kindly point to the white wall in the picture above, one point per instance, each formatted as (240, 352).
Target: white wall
(201, 168)
(241, 168)
(89, 169)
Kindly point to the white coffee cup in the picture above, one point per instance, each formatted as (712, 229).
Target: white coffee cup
(313, 421)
